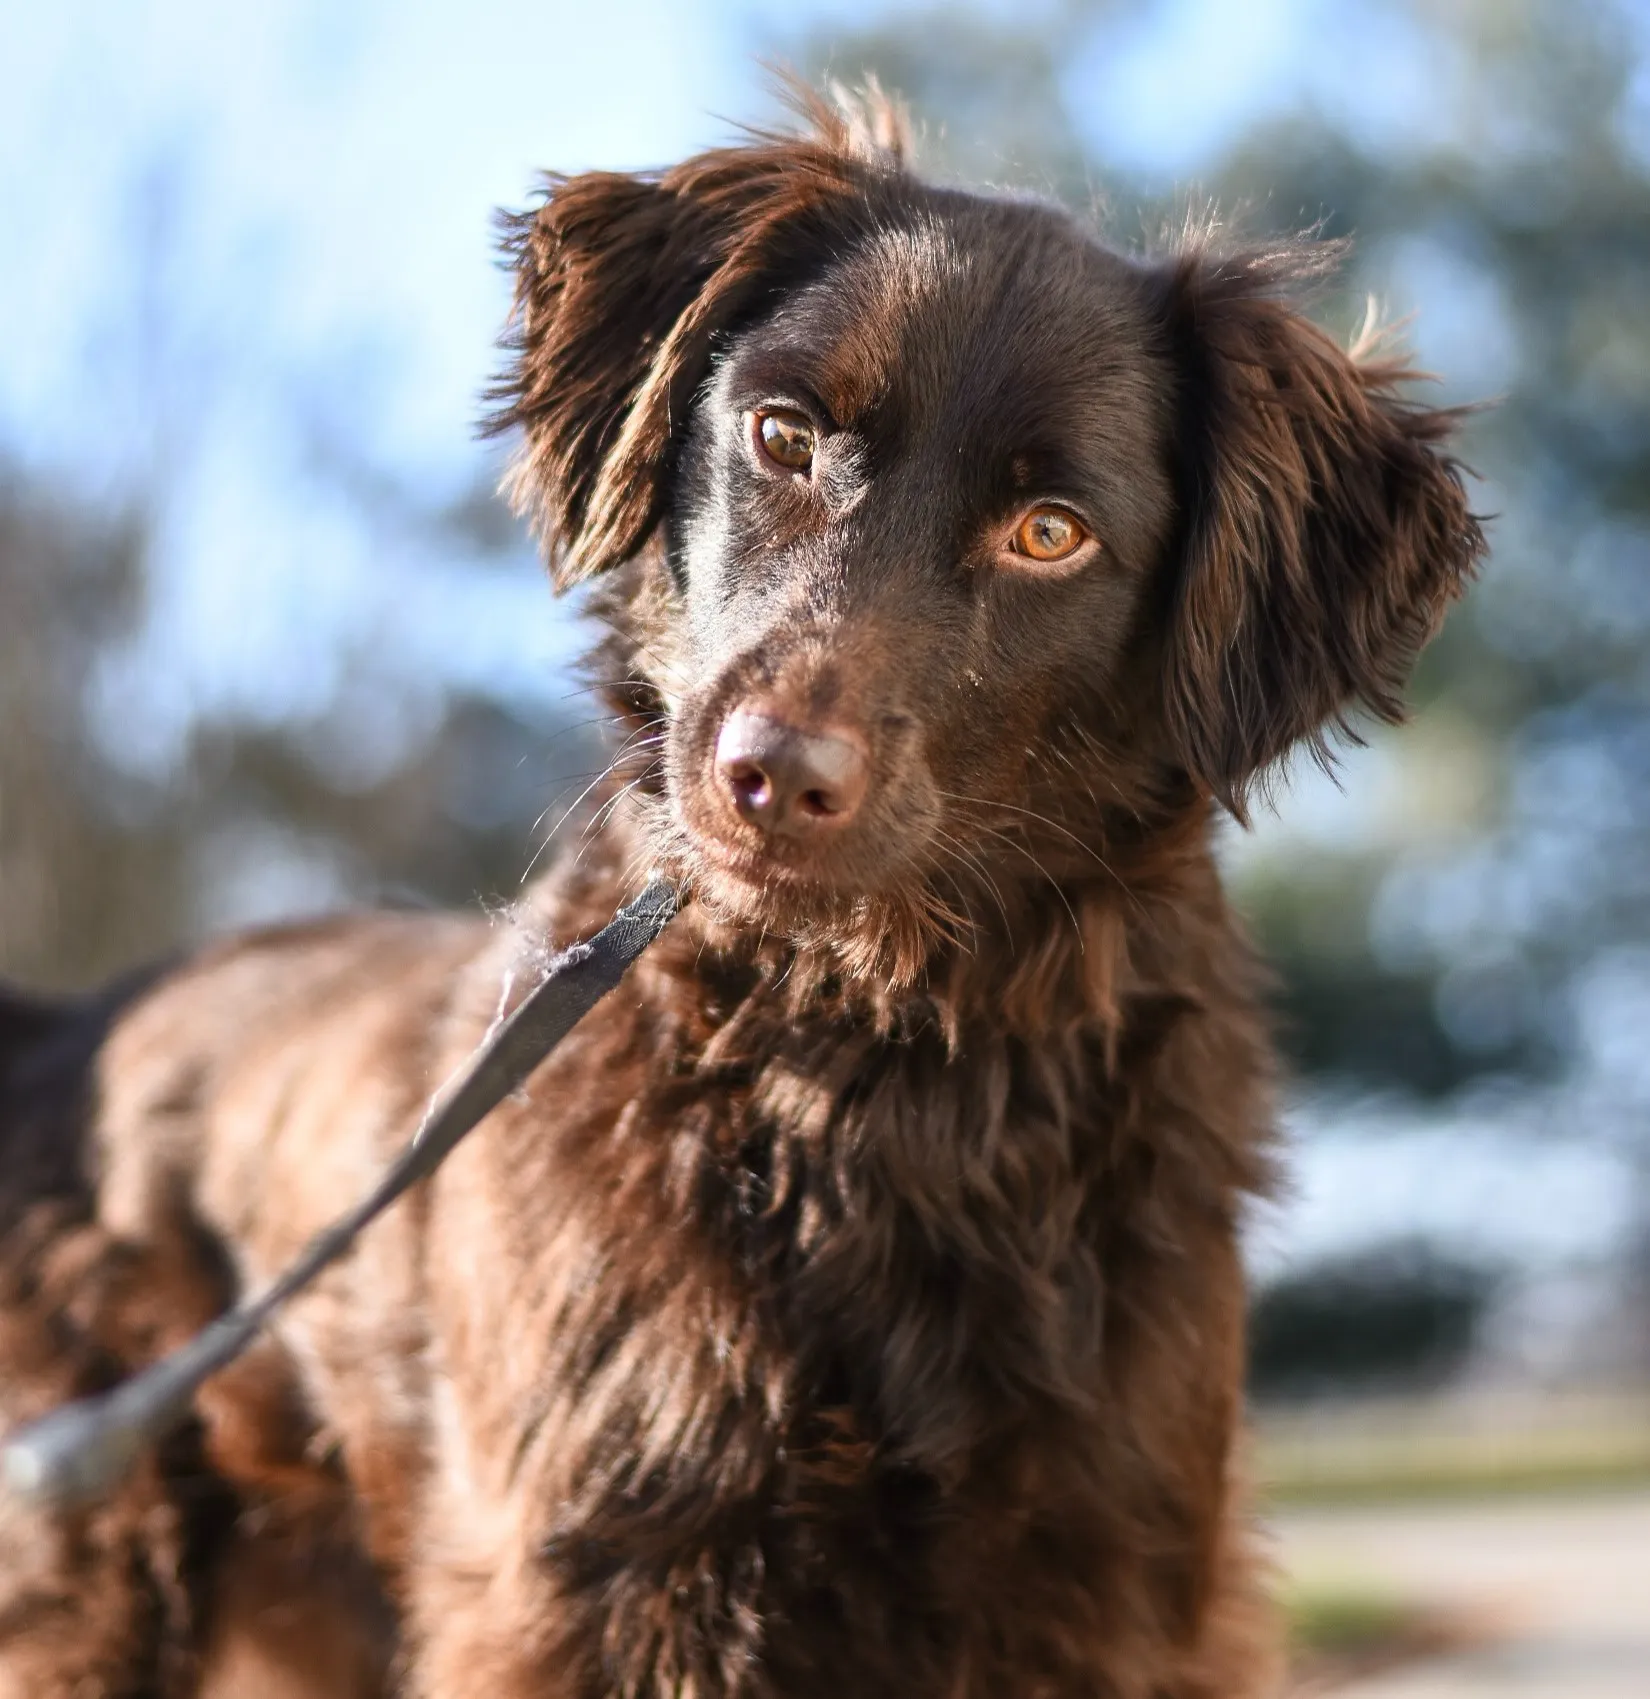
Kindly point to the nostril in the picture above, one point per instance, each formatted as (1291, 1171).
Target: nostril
(817, 802)
(750, 785)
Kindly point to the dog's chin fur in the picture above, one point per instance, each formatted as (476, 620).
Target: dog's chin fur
(886, 939)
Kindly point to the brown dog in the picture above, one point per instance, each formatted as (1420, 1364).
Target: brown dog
(853, 1305)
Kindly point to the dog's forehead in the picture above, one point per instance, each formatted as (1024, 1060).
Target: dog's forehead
(979, 304)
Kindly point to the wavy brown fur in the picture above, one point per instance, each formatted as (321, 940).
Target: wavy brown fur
(853, 1304)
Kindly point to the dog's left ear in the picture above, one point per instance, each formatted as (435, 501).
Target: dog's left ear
(1327, 528)
(622, 284)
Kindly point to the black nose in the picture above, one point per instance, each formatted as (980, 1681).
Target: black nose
(786, 780)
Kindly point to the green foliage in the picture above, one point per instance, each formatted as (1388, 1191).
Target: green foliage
(1401, 1316)
(1346, 1619)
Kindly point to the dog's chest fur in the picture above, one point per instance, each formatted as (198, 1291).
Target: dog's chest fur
(773, 1312)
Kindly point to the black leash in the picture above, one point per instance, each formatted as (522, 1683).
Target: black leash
(79, 1453)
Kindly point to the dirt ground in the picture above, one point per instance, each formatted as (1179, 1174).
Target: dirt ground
(1552, 1594)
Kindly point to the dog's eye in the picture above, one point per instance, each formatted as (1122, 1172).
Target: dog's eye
(1049, 534)
(787, 439)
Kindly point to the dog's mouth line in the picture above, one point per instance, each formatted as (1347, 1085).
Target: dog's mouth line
(757, 869)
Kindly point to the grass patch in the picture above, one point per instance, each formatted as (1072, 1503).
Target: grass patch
(1343, 1631)
(1397, 1483)
(1340, 1621)
(1418, 1448)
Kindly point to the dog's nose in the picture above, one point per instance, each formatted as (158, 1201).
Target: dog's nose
(786, 780)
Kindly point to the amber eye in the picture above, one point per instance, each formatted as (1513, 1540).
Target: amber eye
(1049, 534)
(787, 439)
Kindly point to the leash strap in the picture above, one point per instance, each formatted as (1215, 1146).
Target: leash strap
(79, 1453)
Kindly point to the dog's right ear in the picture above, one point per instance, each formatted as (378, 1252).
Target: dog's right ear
(1327, 520)
(622, 282)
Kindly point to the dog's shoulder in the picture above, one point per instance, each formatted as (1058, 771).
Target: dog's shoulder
(276, 986)
(261, 1052)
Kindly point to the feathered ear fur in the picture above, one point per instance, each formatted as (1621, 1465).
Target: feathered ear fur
(1327, 526)
(622, 283)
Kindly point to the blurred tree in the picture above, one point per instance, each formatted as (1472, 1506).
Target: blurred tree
(102, 868)
(404, 786)
(80, 895)
(1402, 1316)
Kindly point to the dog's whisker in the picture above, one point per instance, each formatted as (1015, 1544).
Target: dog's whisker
(1058, 887)
(637, 740)
(607, 809)
(1030, 814)
(595, 775)
(973, 862)
(952, 923)
(1089, 850)
(550, 836)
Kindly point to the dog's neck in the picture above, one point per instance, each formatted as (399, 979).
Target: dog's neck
(1051, 958)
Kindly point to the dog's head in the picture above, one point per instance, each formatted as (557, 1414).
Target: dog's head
(951, 541)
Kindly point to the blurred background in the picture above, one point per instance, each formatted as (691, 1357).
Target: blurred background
(269, 644)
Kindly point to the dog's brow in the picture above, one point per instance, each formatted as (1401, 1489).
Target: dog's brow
(855, 371)
(776, 374)
(839, 374)
(1039, 463)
